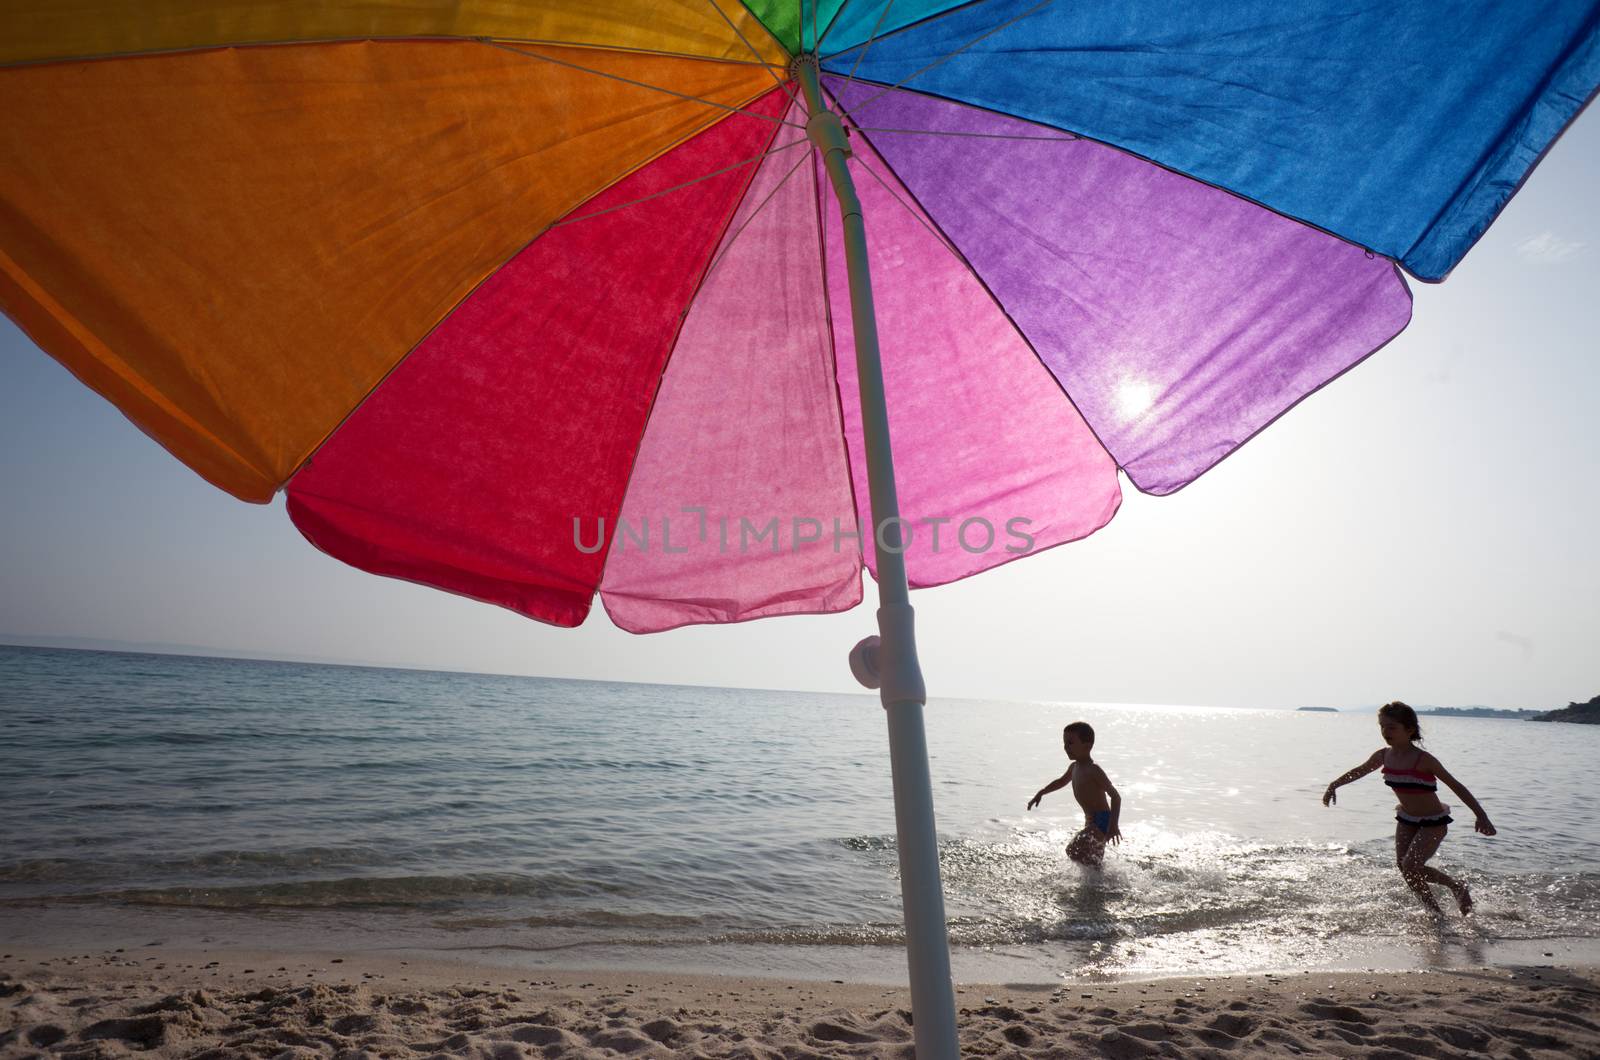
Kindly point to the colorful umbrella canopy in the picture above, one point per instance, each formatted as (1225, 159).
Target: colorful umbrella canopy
(479, 284)
(534, 301)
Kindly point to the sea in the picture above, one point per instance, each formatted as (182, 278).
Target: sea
(558, 824)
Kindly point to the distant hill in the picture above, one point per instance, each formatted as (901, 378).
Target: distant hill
(1320, 710)
(1581, 713)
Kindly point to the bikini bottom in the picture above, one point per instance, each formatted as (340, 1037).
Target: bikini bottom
(1438, 820)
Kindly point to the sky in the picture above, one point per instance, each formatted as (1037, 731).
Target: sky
(1424, 528)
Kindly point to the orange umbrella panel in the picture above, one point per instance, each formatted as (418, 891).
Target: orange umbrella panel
(236, 246)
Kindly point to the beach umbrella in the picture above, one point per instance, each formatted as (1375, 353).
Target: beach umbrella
(537, 301)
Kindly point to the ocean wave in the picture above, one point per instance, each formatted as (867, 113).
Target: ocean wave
(602, 919)
(870, 934)
(366, 892)
(251, 862)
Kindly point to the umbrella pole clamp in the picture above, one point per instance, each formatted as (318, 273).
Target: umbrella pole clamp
(888, 662)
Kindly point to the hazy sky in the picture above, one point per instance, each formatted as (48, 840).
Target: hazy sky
(1424, 528)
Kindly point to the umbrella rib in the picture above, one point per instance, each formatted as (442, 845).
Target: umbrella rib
(913, 24)
(977, 278)
(940, 236)
(676, 187)
(1064, 138)
(951, 55)
(754, 213)
(740, 33)
(820, 210)
(832, 22)
(930, 94)
(639, 84)
(934, 232)
(374, 39)
(862, 54)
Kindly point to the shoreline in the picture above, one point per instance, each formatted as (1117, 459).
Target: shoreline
(214, 1002)
(66, 928)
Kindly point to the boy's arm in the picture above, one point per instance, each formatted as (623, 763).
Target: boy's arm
(1055, 785)
(1328, 798)
(1113, 833)
(1482, 823)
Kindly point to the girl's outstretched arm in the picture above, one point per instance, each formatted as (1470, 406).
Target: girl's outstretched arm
(1482, 824)
(1328, 797)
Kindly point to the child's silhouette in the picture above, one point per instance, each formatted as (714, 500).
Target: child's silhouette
(1421, 820)
(1102, 805)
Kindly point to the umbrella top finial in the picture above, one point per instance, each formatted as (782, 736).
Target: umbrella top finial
(800, 62)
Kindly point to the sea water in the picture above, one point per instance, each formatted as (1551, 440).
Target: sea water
(578, 824)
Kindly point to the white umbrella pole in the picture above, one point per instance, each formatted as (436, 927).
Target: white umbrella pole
(933, 1002)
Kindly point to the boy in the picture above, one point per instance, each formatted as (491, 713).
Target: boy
(1092, 788)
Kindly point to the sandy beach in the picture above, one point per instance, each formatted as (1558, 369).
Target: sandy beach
(204, 1003)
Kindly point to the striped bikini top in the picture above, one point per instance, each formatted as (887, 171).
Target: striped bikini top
(1412, 779)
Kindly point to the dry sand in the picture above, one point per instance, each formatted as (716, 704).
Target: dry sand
(232, 1003)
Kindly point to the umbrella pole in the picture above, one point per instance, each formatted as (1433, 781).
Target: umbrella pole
(933, 1002)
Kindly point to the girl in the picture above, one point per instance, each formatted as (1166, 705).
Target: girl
(1421, 820)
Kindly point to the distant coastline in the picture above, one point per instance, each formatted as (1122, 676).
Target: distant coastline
(1577, 713)
(1573, 713)
(1480, 712)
